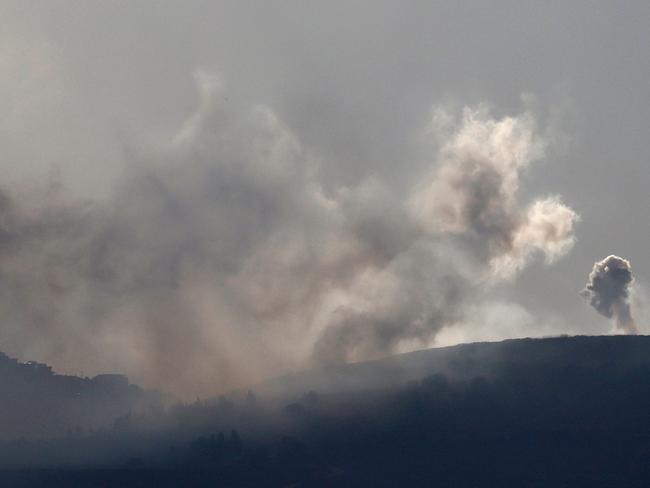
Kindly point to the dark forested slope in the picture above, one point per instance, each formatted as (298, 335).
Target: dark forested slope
(526, 358)
(569, 411)
(36, 402)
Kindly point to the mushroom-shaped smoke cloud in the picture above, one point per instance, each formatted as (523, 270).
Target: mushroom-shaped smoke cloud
(608, 291)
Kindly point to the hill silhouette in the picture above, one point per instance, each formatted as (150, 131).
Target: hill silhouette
(37, 402)
(527, 358)
(567, 411)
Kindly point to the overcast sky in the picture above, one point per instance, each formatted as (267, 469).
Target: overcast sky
(90, 90)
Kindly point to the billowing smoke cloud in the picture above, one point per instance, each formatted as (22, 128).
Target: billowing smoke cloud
(472, 194)
(467, 202)
(220, 258)
(608, 291)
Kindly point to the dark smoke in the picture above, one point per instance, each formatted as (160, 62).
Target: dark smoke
(608, 291)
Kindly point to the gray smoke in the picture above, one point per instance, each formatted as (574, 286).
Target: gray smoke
(471, 233)
(220, 258)
(608, 291)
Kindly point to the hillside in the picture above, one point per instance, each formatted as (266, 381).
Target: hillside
(568, 411)
(526, 358)
(37, 402)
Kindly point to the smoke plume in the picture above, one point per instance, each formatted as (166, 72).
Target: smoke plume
(220, 258)
(608, 291)
(471, 194)
(468, 203)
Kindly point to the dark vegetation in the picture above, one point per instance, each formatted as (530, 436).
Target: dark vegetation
(36, 402)
(550, 412)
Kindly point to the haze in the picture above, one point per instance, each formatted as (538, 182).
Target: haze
(205, 194)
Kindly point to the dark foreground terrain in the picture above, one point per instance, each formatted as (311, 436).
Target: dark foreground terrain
(546, 412)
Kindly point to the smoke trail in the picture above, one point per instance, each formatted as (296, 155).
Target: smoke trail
(220, 259)
(608, 291)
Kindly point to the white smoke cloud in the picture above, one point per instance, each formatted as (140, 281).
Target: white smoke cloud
(472, 190)
(220, 258)
(469, 196)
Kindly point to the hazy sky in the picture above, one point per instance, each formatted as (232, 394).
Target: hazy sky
(339, 113)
